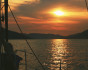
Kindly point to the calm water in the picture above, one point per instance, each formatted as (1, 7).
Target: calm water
(73, 53)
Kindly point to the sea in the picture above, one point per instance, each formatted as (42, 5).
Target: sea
(53, 54)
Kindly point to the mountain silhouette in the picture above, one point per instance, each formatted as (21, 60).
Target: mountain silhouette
(16, 35)
(44, 36)
(82, 35)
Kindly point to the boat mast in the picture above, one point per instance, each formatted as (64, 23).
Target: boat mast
(1, 34)
(6, 19)
(0, 16)
(0, 37)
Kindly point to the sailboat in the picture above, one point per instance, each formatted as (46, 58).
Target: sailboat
(8, 59)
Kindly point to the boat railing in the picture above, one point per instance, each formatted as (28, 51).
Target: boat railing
(25, 55)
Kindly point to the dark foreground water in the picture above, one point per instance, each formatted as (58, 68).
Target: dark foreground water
(73, 53)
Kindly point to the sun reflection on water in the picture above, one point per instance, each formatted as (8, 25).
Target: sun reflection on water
(72, 53)
(58, 51)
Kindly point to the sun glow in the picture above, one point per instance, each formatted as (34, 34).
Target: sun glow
(59, 13)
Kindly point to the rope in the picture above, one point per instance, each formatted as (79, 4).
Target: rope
(2, 7)
(25, 38)
(86, 4)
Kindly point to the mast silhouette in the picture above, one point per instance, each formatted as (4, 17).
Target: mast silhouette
(6, 19)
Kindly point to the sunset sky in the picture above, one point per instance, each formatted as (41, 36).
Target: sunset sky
(64, 17)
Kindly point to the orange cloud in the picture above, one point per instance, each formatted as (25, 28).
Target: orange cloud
(35, 16)
(47, 21)
(14, 4)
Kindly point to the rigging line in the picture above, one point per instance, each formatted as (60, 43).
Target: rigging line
(25, 37)
(86, 4)
(2, 7)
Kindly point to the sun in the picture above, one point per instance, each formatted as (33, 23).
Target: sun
(58, 13)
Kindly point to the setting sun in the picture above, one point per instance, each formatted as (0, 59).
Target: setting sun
(58, 13)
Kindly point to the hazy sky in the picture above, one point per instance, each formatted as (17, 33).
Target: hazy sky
(38, 16)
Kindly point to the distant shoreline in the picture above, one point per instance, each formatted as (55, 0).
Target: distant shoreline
(15, 35)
